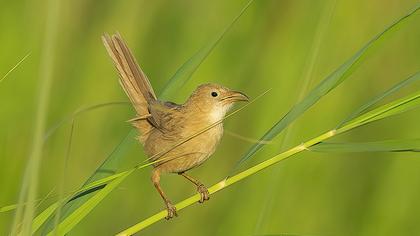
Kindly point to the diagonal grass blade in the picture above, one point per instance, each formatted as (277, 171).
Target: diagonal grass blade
(398, 145)
(376, 99)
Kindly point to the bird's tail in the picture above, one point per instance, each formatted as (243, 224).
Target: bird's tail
(133, 80)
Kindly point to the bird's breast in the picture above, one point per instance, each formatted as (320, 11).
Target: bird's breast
(184, 149)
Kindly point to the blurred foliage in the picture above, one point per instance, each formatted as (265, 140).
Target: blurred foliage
(269, 47)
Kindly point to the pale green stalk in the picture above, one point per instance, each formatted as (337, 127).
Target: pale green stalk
(30, 181)
(63, 179)
(308, 78)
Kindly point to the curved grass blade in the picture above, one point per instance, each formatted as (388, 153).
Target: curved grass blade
(89, 188)
(107, 168)
(12, 207)
(326, 85)
(376, 99)
(398, 145)
(78, 214)
(184, 73)
(396, 107)
(243, 138)
(63, 175)
(30, 182)
(411, 104)
(14, 67)
(77, 113)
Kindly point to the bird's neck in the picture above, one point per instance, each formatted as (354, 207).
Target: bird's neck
(205, 115)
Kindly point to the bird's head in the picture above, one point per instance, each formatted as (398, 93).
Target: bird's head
(214, 100)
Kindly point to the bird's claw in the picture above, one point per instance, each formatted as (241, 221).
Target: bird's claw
(204, 193)
(171, 210)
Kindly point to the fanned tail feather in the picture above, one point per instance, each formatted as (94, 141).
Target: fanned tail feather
(133, 80)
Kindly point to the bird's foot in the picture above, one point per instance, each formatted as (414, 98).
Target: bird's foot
(204, 193)
(171, 210)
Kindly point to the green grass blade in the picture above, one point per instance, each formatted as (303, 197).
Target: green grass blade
(41, 218)
(14, 67)
(376, 99)
(8, 208)
(77, 114)
(107, 168)
(326, 85)
(399, 145)
(184, 73)
(78, 214)
(29, 189)
(393, 108)
(406, 106)
(89, 188)
(14, 206)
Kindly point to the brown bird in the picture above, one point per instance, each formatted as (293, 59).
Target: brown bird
(166, 128)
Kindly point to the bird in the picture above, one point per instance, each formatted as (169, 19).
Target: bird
(170, 132)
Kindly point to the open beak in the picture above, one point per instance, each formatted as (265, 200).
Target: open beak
(234, 96)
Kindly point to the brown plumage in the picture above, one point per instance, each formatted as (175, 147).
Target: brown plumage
(166, 128)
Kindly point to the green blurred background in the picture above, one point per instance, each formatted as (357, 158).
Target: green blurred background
(271, 46)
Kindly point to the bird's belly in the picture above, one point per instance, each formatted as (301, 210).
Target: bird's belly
(185, 156)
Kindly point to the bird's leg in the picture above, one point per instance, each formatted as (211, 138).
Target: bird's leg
(204, 193)
(169, 207)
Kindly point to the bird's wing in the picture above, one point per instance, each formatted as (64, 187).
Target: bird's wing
(133, 80)
(165, 116)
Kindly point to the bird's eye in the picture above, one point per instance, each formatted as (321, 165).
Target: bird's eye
(213, 94)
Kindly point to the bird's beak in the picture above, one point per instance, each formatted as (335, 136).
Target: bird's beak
(235, 96)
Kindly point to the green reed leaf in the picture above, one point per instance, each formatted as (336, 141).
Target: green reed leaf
(78, 214)
(410, 80)
(396, 107)
(323, 88)
(185, 72)
(106, 169)
(398, 145)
